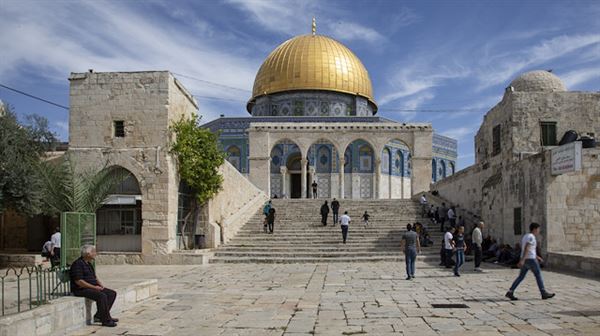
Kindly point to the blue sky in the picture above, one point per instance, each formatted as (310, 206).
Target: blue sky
(456, 56)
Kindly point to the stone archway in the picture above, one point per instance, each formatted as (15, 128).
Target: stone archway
(119, 220)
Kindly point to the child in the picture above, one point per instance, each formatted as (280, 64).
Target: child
(365, 218)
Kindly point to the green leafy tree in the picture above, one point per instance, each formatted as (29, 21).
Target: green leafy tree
(199, 157)
(21, 148)
(65, 189)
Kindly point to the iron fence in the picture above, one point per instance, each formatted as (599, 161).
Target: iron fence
(29, 287)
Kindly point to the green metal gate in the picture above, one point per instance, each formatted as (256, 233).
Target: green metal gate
(77, 229)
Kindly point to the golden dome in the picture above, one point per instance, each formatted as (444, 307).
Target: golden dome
(312, 62)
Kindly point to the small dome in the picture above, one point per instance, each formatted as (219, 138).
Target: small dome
(538, 80)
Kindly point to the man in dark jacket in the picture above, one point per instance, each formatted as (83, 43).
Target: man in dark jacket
(271, 219)
(324, 213)
(84, 283)
(335, 207)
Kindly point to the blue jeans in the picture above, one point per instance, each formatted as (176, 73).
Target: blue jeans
(534, 266)
(460, 259)
(410, 256)
(344, 232)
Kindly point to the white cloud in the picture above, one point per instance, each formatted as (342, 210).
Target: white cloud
(108, 36)
(350, 31)
(574, 78)
(295, 18)
(459, 133)
(505, 66)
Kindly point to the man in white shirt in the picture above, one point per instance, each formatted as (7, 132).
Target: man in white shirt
(55, 252)
(477, 241)
(451, 215)
(530, 261)
(448, 247)
(345, 222)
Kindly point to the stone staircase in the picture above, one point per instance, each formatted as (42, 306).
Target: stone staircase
(300, 238)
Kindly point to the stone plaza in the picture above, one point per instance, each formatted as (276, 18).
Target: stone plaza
(350, 299)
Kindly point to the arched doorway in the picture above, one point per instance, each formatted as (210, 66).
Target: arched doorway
(398, 183)
(286, 170)
(323, 168)
(360, 180)
(119, 220)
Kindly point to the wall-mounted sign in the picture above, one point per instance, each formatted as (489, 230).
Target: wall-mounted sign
(566, 158)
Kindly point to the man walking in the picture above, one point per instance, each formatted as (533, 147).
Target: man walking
(314, 189)
(411, 246)
(477, 237)
(84, 283)
(442, 213)
(459, 245)
(451, 217)
(448, 247)
(271, 219)
(266, 209)
(324, 213)
(345, 221)
(55, 252)
(335, 207)
(423, 202)
(530, 261)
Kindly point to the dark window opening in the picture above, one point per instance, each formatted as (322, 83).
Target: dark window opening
(517, 220)
(119, 129)
(548, 133)
(496, 145)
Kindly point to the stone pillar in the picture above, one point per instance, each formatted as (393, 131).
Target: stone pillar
(303, 162)
(342, 178)
(376, 186)
(259, 160)
(284, 190)
(420, 175)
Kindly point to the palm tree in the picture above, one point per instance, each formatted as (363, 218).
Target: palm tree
(66, 189)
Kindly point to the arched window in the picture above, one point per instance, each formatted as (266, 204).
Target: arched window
(233, 156)
(443, 169)
(385, 161)
(365, 154)
(400, 163)
(276, 159)
(323, 159)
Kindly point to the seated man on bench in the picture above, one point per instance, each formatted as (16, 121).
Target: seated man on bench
(84, 283)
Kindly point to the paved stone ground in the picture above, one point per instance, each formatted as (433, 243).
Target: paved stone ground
(350, 299)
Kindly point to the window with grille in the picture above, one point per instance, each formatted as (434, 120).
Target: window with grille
(119, 126)
(496, 144)
(548, 133)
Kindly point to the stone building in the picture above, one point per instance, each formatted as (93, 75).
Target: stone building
(511, 183)
(313, 119)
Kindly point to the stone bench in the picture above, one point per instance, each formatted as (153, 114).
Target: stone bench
(70, 313)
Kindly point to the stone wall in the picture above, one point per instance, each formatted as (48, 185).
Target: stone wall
(147, 102)
(573, 205)
(566, 205)
(232, 207)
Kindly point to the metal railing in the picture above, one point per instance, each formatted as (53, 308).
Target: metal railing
(29, 287)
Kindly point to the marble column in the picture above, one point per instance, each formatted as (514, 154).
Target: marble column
(341, 168)
(284, 178)
(377, 178)
(313, 177)
(303, 162)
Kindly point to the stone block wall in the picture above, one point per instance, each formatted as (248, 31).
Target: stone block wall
(573, 203)
(147, 102)
(232, 207)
